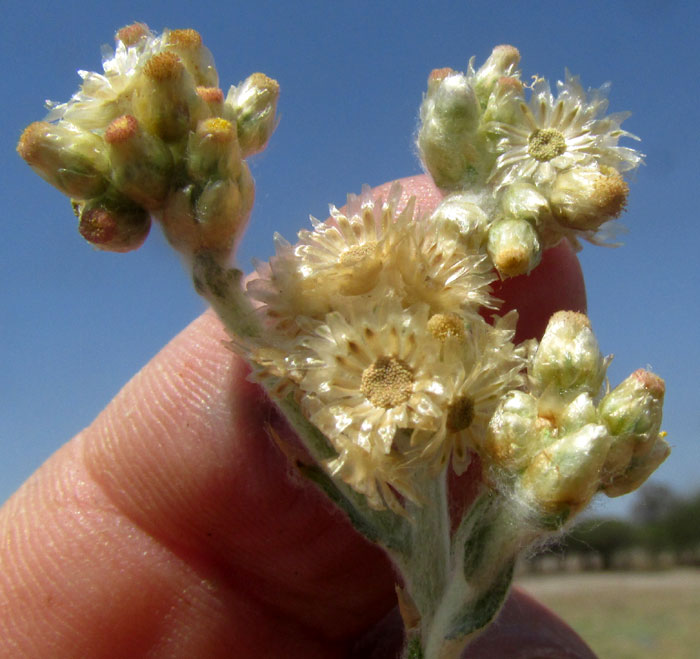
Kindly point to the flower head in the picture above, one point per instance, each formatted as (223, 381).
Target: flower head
(336, 262)
(549, 135)
(477, 367)
(371, 373)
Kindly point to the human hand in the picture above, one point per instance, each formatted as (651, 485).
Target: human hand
(174, 527)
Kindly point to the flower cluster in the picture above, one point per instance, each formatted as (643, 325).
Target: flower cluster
(551, 165)
(556, 443)
(373, 321)
(369, 330)
(154, 136)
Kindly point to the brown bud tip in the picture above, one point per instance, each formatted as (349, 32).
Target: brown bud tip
(163, 66)
(512, 261)
(507, 53)
(261, 81)
(113, 229)
(98, 226)
(121, 129)
(509, 84)
(28, 146)
(610, 193)
(436, 75)
(651, 382)
(211, 94)
(573, 318)
(130, 35)
(185, 38)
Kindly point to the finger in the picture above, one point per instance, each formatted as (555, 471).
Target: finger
(174, 512)
(176, 488)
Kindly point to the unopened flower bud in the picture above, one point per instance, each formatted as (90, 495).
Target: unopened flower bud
(524, 201)
(198, 60)
(586, 197)
(165, 99)
(449, 118)
(212, 217)
(252, 106)
(563, 477)
(222, 212)
(512, 432)
(214, 98)
(131, 35)
(568, 357)
(632, 412)
(635, 406)
(437, 76)
(141, 164)
(504, 102)
(638, 470)
(71, 159)
(455, 105)
(212, 151)
(576, 414)
(513, 246)
(460, 219)
(113, 226)
(502, 62)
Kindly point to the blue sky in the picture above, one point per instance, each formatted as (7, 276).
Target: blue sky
(76, 324)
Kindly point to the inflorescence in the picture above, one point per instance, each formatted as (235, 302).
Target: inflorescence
(371, 326)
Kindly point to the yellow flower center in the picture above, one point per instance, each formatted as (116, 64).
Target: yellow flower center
(545, 144)
(460, 414)
(388, 382)
(444, 325)
(358, 253)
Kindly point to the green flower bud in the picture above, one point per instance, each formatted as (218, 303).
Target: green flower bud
(639, 469)
(165, 99)
(253, 106)
(211, 217)
(449, 119)
(524, 201)
(634, 408)
(141, 163)
(513, 246)
(222, 212)
(198, 60)
(212, 151)
(214, 98)
(502, 62)
(563, 477)
(632, 412)
(586, 197)
(112, 225)
(568, 357)
(72, 160)
(578, 413)
(504, 104)
(512, 433)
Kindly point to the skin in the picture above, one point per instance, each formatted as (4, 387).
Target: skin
(174, 527)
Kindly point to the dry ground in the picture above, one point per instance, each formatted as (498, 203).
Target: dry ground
(627, 615)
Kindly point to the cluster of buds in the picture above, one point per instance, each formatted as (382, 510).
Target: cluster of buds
(154, 137)
(545, 169)
(558, 443)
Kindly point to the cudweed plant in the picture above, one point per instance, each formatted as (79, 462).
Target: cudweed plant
(367, 332)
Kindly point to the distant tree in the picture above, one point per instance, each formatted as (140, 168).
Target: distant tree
(653, 503)
(604, 536)
(682, 525)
